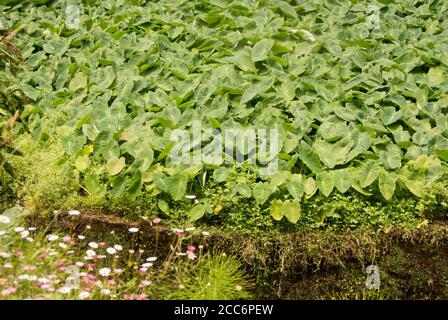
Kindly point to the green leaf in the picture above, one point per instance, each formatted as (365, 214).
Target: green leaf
(262, 191)
(276, 210)
(286, 8)
(243, 189)
(343, 179)
(368, 173)
(292, 211)
(79, 81)
(415, 186)
(310, 186)
(256, 89)
(161, 181)
(73, 143)
(309, 157)
(295, 186)
(436, 76)
(386, 184)
(82, 163)
(332, 154)
(177, 185)
(242, 59)
(325, 182)
(362, 142)
(114, 166)
(391, 157)
(163, 206)
(261, 50)
(220, 174)
(135, 185)
(389, 115)
(197, 212)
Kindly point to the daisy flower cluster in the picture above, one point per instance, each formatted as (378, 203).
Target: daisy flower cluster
(37, 264)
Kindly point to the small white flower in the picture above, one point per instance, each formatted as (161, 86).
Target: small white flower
(79, 264)
(205, 233)
(111, 250)
(29, 239)
(32, 278)
(105, 292)
(118, 247)
(133, 230)
(2, 233)
(7, 265)
(32, 228)
(4, 219)
(23, 277)
(24, 234)
(105, 272)
(191, 197)
(62, 245)
(238, 288)
(147, 265)
(74, 213)
(5, 254)
(64, 290)
(43, 280)
(90, 253)
(151, 259)
(181, 286)
(83, 295)
(19, 229)
(52, 237)
(190, 229)
(81, 237)
(93, 245)
(181, 254)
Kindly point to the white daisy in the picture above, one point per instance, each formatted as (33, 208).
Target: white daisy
(52, 237)
(64, 290)
(62, 245)
(4, 219)
(24, 234)
(105, 272)
(111, 250)
(105, 292)
(93, 245)
(90, 253)
(74, 213)
(83, 295)
(133, 230)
